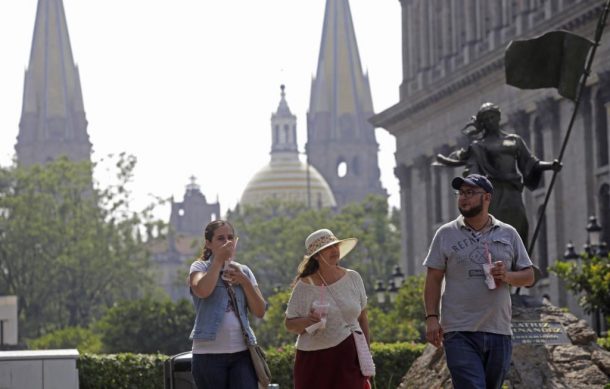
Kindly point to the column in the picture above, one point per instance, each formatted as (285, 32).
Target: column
(403, 173)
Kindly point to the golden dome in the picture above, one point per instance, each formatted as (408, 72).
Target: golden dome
(285, 178)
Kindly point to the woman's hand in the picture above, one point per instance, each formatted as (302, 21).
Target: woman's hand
(297, 325)
(236, 275)
(226, 251)
(314, 317)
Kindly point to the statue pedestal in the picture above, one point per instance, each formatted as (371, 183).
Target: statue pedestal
(555, 350)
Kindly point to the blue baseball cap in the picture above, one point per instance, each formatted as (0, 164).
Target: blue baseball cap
(473, 180)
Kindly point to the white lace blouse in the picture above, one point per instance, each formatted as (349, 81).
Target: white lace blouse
(351, 295)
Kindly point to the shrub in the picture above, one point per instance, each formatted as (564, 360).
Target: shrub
(121, 371)
(392, 360)
(137, 371)
(281, 361)
(147, 326)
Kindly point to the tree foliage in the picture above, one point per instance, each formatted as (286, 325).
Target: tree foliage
(270, 331)
(402, 320)
(147, 326)
(83, 339)
(68, 249)
(589, 277)
(272, 238)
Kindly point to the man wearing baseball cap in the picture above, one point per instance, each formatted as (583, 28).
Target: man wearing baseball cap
(479, 258)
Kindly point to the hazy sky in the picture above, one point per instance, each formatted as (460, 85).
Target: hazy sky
(189, 86)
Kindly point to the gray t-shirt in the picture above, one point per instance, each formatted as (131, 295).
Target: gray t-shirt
(466, 303)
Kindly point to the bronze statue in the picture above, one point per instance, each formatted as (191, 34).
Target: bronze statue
(506, 160)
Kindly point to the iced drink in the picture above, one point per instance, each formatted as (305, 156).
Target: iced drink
(489, 279)
(226, 266)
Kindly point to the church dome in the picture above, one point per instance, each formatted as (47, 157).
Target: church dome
(287, 179)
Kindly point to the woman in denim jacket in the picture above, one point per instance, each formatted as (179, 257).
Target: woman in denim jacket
(220, 355)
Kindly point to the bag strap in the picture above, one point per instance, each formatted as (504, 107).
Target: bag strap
(233, 301)
(330, 292)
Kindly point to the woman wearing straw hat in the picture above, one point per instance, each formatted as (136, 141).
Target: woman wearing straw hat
(327, 303)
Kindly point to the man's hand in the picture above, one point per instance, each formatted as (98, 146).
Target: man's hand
(434, 331)
(498, 271)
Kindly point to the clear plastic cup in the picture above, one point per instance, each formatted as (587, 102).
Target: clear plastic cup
(225, 269)
(226, 266)
(320, 308)
(489, 279)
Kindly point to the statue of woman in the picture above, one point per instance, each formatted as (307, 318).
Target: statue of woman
(506, 161)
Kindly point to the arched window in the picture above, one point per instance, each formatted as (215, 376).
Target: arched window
(287, 133)
(341, 168)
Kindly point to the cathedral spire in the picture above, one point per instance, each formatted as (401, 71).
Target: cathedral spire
(340, 86)
(53, 120)
(341, 143)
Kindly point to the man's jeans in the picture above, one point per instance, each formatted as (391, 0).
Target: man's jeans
(477, 359)
(224, 371)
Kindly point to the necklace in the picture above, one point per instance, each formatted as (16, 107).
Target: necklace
(334, 277)
(488, 222)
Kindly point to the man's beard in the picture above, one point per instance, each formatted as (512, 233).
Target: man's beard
(472, 212)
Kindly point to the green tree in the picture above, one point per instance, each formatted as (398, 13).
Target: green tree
(272, 238)
(404, 319)
(69, 249)
(589, 277)
(83, 339)
(271, 332)
(147, 326)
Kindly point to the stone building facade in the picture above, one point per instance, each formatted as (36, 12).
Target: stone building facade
(173, 254)
(453, 61)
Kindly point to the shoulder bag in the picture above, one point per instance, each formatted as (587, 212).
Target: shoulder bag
(257, 354)
(365, 359)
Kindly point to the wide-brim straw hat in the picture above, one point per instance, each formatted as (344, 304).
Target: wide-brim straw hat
(321, 239)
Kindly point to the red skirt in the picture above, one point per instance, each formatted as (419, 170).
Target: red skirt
(332, 368)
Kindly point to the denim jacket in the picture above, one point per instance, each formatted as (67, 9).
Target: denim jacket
(210, 311)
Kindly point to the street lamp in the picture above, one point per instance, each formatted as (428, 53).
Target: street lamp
(570, 253)
(392, 290)
(594, 232)
(603, 249)
(380, 292)
(398, 276)
(395, 281)
(593, 246)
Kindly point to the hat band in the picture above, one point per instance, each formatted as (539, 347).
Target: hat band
(324, 240)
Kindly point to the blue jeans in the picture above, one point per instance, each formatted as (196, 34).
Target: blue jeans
(224, 371)
(477, 359)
